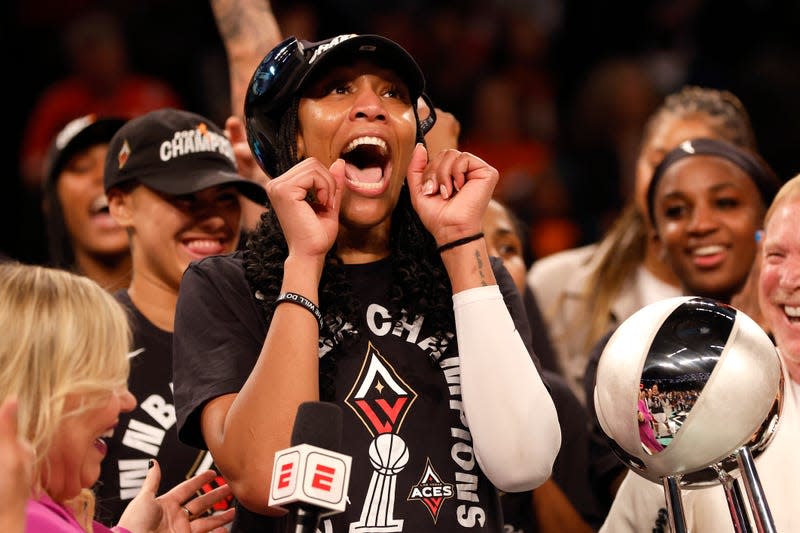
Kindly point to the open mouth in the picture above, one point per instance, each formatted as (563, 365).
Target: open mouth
(205, 247)
(792, 312)
(705, 251)
(100, 442)
(100, 216)
(99, 206)
(708, 256)
(367, 162)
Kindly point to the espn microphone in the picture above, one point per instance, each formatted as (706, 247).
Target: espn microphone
(311, 478)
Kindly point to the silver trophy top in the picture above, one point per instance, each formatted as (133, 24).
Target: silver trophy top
(683, 384)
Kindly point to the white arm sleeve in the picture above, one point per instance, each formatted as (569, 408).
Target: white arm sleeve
(508, 409)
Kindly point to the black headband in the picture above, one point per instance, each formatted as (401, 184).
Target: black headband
(765, 180)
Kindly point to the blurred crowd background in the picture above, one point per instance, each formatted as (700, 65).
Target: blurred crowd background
(554, 93)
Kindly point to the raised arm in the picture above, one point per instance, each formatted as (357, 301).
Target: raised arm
(244, 430)
(508, 408)
(249, 30)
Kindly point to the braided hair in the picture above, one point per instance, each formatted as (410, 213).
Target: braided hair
(420, 285)
(729, 118)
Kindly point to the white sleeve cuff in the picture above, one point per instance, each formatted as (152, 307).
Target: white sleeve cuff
(477, 294)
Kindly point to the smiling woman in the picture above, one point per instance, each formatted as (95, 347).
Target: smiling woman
(69, 379)
(638, 502)
(173, 185)
(420, 330)
(81, 235)
(707, 199)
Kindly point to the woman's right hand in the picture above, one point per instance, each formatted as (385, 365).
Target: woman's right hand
(306, 200)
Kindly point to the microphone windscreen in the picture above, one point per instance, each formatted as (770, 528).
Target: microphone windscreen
(318, 424)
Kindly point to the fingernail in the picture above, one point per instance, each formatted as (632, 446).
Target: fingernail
(428, 187)
(759, 235)
(443, 191)
(150, 464)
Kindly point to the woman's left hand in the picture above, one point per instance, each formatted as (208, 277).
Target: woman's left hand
(450, 193)
(176, 511)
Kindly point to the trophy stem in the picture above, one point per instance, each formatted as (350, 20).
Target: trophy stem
(672, 491)
(752, 484)
(736, 503)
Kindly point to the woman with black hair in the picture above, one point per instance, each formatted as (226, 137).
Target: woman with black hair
(402, 320)
(82, 236)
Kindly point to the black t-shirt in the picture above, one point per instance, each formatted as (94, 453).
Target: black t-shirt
(540, 336)
(385, 385)
(605, 468)
(570, 469)
(149, 431)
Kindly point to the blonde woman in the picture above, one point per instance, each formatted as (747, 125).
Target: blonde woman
(63, 358)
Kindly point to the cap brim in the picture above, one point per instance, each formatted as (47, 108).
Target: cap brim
(199, 180)
(99, 131)
(380, 50)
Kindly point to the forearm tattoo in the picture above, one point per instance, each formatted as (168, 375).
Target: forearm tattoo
(481, 267)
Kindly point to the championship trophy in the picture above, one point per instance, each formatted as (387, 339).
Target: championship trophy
(689, 391)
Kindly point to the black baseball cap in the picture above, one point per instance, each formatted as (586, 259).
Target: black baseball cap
(289, 67)
(343, 49)
(79, 134)
(175, 152)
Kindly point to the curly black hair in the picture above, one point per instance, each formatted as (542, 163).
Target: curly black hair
(420, 285)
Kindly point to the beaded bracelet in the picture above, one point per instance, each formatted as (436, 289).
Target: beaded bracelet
(302, 301)
(459, 242)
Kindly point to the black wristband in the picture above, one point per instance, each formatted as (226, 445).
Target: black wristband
(459, 242)
(302, 301)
